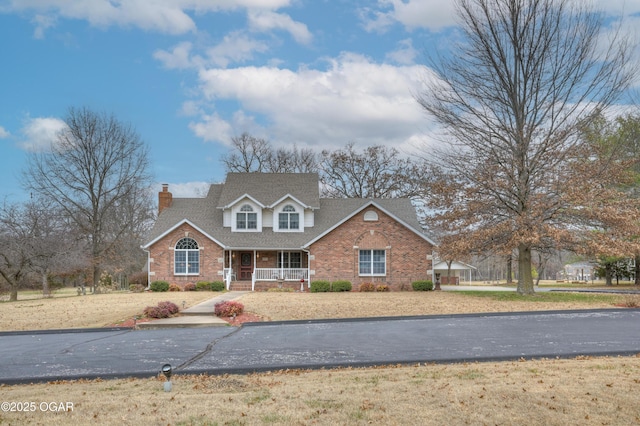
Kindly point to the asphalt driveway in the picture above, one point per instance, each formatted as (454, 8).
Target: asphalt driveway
(46, 356)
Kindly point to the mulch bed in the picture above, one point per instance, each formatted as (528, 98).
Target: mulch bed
(242, 318)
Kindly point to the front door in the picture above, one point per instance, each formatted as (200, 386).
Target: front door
(246, 265)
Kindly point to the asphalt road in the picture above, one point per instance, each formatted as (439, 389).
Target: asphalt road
(36, 357)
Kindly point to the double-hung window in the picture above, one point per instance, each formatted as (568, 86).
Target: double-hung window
(289, 218)
(373, 262)
(187, 257)
(246, 218)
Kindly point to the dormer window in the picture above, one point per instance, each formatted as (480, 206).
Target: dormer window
(246, 218)
(289, 218)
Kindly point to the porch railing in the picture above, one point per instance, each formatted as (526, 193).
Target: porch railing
(284, 274)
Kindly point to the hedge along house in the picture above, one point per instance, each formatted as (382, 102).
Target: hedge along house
(261, 230)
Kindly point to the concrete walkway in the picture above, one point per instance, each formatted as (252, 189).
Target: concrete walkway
(200, 315)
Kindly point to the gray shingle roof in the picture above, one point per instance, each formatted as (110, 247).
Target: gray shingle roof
(267, 188)
(206, 214)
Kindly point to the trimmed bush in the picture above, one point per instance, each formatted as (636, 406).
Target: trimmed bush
(203, 286)
(382, 287)
(136, 288)
(162, 310)
(424, 285)
(189, 287)
(160, 286)
(217, 286)
(341, 286)
(174, 287)
(228, 308)
(320, 286)
(366, 287)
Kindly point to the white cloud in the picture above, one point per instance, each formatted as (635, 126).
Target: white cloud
(437, 14)
(4, 133)
(264, 20)
(353, 99)
(433, 14)
(178, 58)
(165, 16)
(405, 54)
(186, 190)
(236, 47)
(40, 133)
(212, 128)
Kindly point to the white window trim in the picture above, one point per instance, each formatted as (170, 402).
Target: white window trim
(372, 274)
(186, 251)
(238, 209)
(297, 209)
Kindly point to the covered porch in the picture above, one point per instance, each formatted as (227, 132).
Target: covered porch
(266, 268)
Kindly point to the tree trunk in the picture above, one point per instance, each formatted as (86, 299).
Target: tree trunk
(510, 269)
(46, 291)
(13, 295)
(525, 279)
(608, 274)
(637, 270)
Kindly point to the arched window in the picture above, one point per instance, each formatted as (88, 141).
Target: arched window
(289, 218)
(187, 257)
(246, 218)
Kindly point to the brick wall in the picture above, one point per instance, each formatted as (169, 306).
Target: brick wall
(161, 253)
(336, 255)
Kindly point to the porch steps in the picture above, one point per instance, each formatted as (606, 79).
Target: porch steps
(240, 286)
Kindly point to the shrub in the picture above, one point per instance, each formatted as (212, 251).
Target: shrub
(189, 287)
(424, 285)
(203, 286)
(217, 286)
(382, 287)
(160, 286)
(341, 286)
(162, 310)
(320, 286)
(228, 308)
(366, 287)
(139, 278)
(174, 287)
(136, 288)
(631, 301)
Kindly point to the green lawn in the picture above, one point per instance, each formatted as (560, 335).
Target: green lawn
(545, 297)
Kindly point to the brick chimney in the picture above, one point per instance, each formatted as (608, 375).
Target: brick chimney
(165, 198)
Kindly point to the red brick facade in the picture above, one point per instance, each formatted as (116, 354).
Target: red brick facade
(335, 256)
(161, 259)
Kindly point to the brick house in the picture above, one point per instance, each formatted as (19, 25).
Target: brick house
(262, 230)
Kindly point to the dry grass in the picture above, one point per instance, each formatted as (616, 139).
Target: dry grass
(287, 306)
(92, 310)
(542, 392)
(548, 392)
(99, 310)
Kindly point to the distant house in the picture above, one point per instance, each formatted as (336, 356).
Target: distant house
(262, 230)
(458, 271)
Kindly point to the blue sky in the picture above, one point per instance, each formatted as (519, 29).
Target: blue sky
(191, 74)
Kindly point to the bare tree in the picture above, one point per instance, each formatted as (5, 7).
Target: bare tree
(96, 165)
(512, 99)
(34, 238)
(250, 154)
(376, 172)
